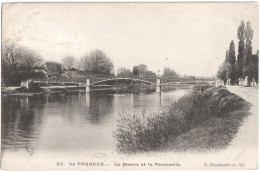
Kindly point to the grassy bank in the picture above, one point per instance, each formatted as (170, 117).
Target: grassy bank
(198, 121)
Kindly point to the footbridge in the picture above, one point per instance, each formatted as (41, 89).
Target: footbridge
(89, 82)
(94, 81)
(157, 81)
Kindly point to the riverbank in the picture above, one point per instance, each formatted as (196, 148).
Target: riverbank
(22, 91)
(200, 121)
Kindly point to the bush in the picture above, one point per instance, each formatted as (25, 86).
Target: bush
(193, 107)
(222, 102)
(140, 132)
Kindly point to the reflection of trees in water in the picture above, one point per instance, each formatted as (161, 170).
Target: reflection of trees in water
(21, 116)
(63, 105)
(100, 105)
(149, 101)
(89, 108)
(54, 98)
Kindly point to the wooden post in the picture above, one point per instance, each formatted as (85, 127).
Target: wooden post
(158, 85)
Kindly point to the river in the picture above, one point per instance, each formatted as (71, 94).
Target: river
(72, 122)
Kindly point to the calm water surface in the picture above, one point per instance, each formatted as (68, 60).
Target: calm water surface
(74, 121)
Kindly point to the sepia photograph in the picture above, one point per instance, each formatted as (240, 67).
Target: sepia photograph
(129, 86)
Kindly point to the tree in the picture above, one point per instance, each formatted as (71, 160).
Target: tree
(68, 61)
(252, 68)
(229, 65)
(255, 61)
(222, 72)
(120, 70)
(9, 57)
(227, 56)
(240, 31)
(142, 68)
(232, 61)
(248, 50)
(135, 71)
(77, 64)
(246, 63)
(97, 63)
(229, 72)
(17, 63)
(169, 73)
(237, 69)
(249, 36)
(241, 49)
(123, 72)
(9, 62)
(232, 54)
(29, 58)
(149, 73)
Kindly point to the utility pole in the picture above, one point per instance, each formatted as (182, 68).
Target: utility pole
(165, 68)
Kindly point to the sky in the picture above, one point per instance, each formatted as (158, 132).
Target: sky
(194, 37)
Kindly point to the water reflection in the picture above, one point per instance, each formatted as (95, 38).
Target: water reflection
(159, 101)
(21, 120)
(87, 100)
(72, 121)
(98, 106)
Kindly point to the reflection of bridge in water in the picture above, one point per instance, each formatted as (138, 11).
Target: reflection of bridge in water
(157, 81)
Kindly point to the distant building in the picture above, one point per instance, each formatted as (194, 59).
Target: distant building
(71, 73)
(147, 73)
(45, 73)
(40, 70)
(53, 68)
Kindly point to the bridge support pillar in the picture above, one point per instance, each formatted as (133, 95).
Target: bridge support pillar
(158, 85)
(88, 86)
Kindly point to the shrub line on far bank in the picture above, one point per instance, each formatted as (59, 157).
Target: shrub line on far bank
(194, 113)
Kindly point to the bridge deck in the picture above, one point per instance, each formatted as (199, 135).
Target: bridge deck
(93, 81)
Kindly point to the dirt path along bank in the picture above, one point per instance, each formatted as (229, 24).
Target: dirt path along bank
(246, 141)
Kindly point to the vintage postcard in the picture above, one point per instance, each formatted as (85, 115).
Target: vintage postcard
(129, 86)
